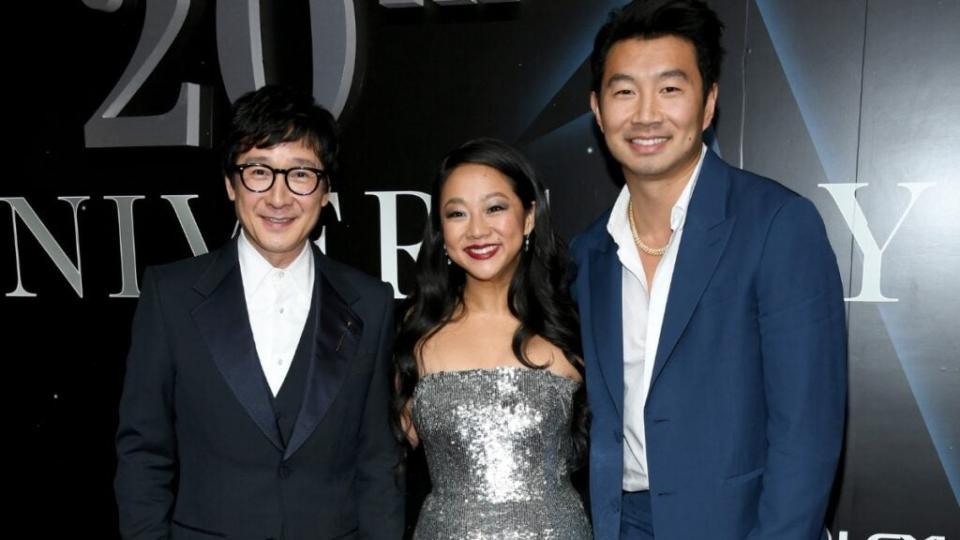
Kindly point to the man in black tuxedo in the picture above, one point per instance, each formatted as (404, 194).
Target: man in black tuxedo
(255, 404)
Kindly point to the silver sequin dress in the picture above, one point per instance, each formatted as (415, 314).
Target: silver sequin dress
(498, 447)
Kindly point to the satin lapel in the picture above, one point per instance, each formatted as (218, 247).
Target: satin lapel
(337, 331)
(225, 326)
(705, 233)
(606, 286)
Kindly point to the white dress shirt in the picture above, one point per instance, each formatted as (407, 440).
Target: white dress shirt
(642, 315)
(278, 300)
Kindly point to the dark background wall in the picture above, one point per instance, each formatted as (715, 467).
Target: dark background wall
(852, 103)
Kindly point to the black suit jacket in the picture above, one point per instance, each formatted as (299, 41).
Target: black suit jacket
(199, 453)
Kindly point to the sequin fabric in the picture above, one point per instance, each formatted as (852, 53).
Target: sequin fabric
(499, 450)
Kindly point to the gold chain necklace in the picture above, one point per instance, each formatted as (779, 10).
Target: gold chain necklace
(656, 252)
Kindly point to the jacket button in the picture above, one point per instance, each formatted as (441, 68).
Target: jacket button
(285, 472)
(617, 435)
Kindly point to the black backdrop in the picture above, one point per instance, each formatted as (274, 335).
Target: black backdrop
(850, 103)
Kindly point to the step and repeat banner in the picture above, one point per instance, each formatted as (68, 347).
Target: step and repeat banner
(115, 108)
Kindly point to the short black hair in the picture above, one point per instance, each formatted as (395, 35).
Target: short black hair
(277, 114)
(691, 20)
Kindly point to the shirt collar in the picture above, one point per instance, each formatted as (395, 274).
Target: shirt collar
(678, 214)
(619, 227)
(254, 268)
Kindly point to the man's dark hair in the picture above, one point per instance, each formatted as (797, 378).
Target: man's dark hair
(278, 114)
(691, 20)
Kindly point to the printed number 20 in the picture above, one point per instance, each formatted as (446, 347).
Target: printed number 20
(239, 50)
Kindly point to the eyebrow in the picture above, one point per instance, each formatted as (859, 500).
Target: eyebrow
(488, 196)
(669, 74)
(264, 160)
(674, 73)
(619, 77)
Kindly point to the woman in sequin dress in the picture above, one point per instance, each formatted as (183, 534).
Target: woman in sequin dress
(488, 372)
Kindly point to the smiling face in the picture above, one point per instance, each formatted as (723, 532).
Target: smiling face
(483, 222)
(651, 107)
(277, 222)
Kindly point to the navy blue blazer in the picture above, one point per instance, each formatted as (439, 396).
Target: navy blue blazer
(745, 413)
(199, 451)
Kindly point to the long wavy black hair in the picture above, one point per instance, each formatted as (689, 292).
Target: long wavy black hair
(538, 295)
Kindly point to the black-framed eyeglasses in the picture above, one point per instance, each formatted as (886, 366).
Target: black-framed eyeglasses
(259, 178)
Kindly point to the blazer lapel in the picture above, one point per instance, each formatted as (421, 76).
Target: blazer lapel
(337, 332)
(224, 324)
(606, 285)
(705, 233)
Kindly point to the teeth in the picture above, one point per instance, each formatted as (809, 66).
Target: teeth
(649, 142)
(277, 220)
(483, 250)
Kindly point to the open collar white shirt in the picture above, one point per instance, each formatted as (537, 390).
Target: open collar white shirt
(278, 301)
(642, 314)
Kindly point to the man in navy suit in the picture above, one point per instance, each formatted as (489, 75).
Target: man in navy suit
(712, 310)
(255, 404)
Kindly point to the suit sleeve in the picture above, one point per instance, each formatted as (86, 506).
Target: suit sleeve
(803, 344)
(146, 441)
(380, 485)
